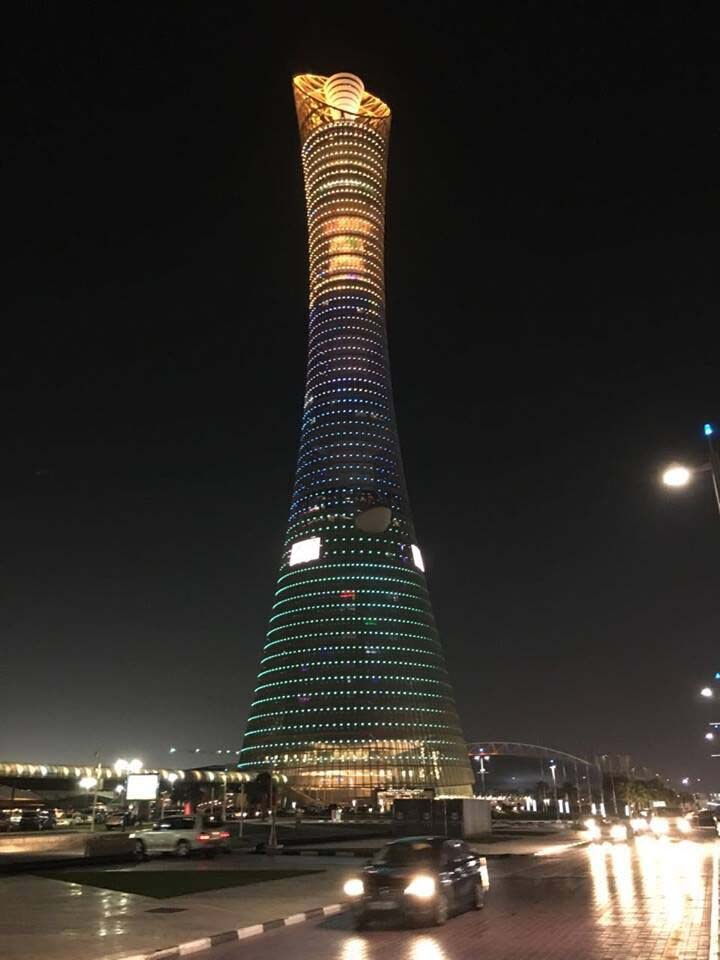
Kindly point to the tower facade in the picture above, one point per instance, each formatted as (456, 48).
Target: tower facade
(353, 693)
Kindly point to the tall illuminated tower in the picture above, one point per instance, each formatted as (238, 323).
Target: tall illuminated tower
(352, 694)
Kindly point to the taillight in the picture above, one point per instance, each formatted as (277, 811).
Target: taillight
(224, 835)
(204, 836)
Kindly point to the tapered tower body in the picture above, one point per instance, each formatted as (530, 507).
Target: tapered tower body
(353, 694)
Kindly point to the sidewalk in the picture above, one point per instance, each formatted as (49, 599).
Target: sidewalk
(50, 919)
(45, 919)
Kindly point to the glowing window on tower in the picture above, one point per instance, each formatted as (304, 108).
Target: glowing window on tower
(343, 243)
(346, 261)
(417, 557)
(348, 224)
(304, 551)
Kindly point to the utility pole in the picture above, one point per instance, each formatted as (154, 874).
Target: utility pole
(272, 839)
(242, 807)
(95, 794)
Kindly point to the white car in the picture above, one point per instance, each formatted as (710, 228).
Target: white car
(182, 836)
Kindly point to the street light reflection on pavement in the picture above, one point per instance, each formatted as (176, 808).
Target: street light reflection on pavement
(623, 873)
(426, 948)
(354, 949)
(671, 885)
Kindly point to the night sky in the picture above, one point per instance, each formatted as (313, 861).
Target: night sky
(553, 303)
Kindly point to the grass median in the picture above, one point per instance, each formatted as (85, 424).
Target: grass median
(162, 884)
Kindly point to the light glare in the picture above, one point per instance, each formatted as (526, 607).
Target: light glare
(354, 887)
(676, 476)
(422, 887)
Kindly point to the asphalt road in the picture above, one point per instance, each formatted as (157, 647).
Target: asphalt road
(649, 900)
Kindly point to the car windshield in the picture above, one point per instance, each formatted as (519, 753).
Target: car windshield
(407, 854)
(176, 823)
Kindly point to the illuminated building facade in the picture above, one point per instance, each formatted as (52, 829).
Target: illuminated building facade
(353, 694)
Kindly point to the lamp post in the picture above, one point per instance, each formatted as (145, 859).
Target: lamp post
(482, 760)
(95, 794)
(555, 793)
(679, 475)
(242, 807)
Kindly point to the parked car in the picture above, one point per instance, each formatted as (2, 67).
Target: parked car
(182, 836)
(706, 821)
(419, 879)
(119, 819)
(32, 818)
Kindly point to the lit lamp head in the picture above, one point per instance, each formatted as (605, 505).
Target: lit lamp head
(676, 476)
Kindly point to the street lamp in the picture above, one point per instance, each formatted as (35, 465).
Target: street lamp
(679, 475)
(676, 476)
(555, 793)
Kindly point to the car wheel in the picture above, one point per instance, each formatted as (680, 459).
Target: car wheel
(441, 910)
(139, 851)
(182, 849)
(478, 900)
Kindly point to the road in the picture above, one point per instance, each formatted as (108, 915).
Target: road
(654, 899)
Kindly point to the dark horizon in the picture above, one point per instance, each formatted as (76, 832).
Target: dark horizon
(553, 198)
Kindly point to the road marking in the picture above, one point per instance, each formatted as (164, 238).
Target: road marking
(249, 931)
(294, 918)
(714, 906)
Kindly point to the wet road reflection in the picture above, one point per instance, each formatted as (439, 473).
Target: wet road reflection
(644, 900)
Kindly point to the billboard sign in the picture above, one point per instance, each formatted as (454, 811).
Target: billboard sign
(142, 786)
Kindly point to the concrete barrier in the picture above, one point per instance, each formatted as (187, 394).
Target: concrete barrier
(44, 847)
(115, 845)
(43, 844)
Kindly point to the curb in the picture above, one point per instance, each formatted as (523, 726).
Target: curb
(230, 936)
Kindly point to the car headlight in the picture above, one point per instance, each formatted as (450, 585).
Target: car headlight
(421, 887)
(658, 825)
(618, 831)
(594, 832)
(683, 825)
(354, 887)
(589, 823)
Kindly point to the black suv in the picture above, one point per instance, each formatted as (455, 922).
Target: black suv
(419, 879)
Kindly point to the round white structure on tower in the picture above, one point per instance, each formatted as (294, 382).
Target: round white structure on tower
(344, 91)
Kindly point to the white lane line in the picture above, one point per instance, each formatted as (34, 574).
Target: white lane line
(714, 906)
